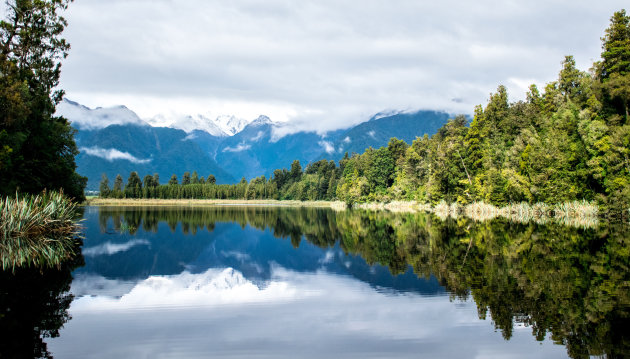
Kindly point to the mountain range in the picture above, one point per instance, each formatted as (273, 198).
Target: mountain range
(115, 140)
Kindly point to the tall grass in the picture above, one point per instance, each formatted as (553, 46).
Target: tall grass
(576, 214)
(37, 230)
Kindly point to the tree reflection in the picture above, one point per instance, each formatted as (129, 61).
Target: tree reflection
(34, 306)
(569, 284)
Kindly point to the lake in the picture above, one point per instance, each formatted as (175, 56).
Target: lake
(274, 282)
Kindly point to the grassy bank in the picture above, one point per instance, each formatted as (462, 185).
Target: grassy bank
(205, 202)
(39, 231)
(576, 214)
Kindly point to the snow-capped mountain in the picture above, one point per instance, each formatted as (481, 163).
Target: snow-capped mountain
(189, 124)
(85, 118)
(231, 124)
(116, 141)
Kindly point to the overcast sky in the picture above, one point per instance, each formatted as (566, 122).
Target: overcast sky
(321, 64)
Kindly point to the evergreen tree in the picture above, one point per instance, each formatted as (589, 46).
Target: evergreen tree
(133, 189)
(104, 186)
(186, 178)
(211, 180)
(118, 183)
(296, 171)
(173, 180)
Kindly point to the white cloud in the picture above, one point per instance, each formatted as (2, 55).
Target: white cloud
(328, 147)
(239, 148)
(112, 154)
(258, 136)
(320, 64)
(110, 248)
(347, 139)
(372, 134)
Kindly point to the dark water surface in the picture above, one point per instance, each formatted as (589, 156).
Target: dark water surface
(268, 282)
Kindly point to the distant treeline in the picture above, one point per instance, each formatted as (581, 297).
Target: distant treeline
(316, 182)
(569, 142)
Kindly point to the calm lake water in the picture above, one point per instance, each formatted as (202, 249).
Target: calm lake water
(268, 282)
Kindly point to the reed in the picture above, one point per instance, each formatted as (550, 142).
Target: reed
(37, 230)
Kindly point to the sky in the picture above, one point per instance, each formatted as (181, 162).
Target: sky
(320, 65)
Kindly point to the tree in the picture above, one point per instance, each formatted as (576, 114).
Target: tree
(118, 187)
(156, 179)
(616, 47)
(211, 180)
(118, 183)
(37, 148)
(186, 178)
(173, 180)
(104, 186)
(195, 178)
(296, 171)
(133, 189)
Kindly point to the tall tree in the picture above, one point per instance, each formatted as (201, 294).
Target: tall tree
(616, 47)
(173, 180)
(186, 178)
(134, 185)
(104, 186)
(37, 148)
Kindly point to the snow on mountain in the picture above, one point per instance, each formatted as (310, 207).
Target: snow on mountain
(261, 120)
(231, 124)
(188, 124)
(86, 118)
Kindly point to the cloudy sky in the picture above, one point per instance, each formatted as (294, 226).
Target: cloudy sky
(320, 64)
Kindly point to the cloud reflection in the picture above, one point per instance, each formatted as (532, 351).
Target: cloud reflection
(220, 313)
(110, 248)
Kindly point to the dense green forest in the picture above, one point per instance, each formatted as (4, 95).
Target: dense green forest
(570, 141)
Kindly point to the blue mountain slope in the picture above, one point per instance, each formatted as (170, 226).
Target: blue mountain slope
(378, 131)
(253, 152)
(120, 149)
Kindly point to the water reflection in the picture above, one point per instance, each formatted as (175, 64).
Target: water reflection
(33, 305)
(372, 275)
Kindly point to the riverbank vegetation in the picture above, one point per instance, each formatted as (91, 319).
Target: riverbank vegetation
(37, 148)
(38, 230)
(569, 142)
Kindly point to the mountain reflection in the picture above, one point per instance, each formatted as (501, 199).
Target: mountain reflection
(566, 283)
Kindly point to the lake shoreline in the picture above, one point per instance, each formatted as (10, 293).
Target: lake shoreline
(208, 202)
(576, 214)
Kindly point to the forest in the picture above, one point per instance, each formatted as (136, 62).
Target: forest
(569, 141)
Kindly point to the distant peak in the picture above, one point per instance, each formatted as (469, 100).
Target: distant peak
(262, 120)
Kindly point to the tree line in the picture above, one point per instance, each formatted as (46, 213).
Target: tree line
(316, 182)
(568, 142)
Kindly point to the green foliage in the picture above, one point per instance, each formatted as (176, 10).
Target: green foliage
(37, 148)
(37, 230)
(104, 186)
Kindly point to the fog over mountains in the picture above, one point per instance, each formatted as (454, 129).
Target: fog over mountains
(117, 141)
